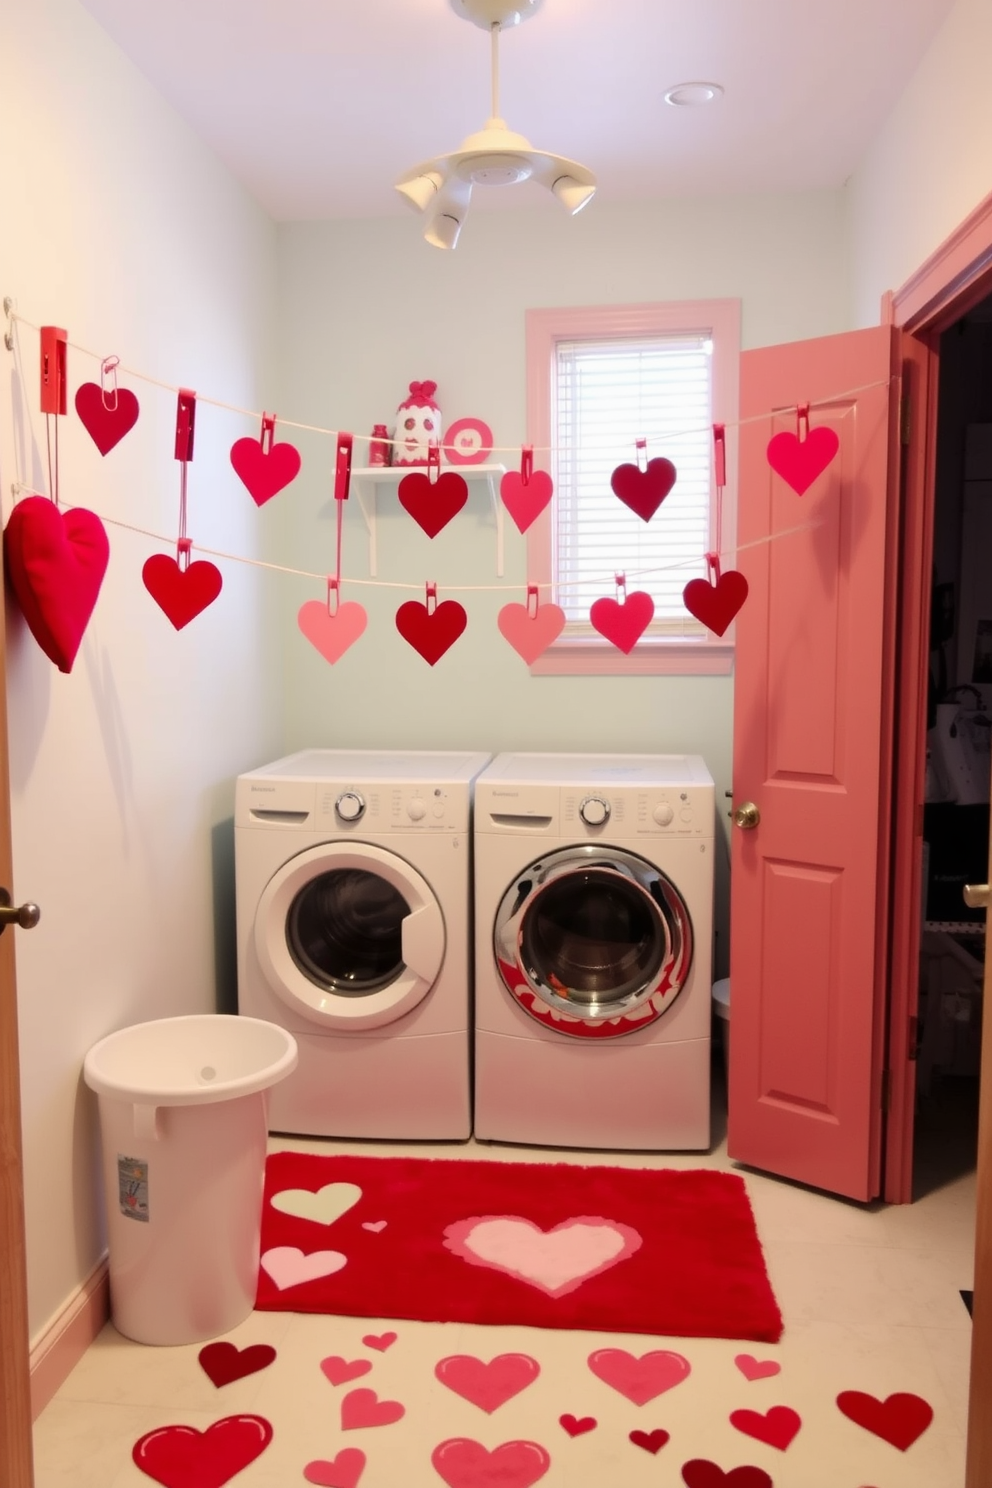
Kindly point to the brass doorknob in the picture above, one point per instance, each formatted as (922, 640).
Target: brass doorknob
(976, 896)
(24, 915)
(747, 816)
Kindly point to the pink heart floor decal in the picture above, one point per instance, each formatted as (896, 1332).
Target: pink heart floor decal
(755, 1369)
(339, 1371)
(364, 1408)
(463, 1463)
(342, 1471)
(643, 1379)
(487, 1385)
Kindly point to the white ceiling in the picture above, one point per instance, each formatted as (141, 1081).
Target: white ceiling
(319, 105)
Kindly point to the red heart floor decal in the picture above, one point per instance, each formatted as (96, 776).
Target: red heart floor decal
(651, 1441)
(799, 462)
(623, 624)
(643, 1379)
(488, 1385)
(643, 490)
(715, 605)
(464, 1463)
(106, 425)
(224, 1362)
(530, 634)
(431, 632)
(700, 1473)
(432, 504)
(379, 1341)
(343, 1471)
(578, 1425)
(526, 500)
(182, 1457)
(181, 593)
(332, 635)
(776, 1428)
(56, 562)
(899, 1419)
(265, 472)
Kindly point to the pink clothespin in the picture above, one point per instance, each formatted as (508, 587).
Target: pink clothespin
(719, 455)
(802, 421)
(621, 583)
(53, 369)
(185, 422)
(533, 595)
(641, 445)
(107, 366)
(433, 461)
(183, 547)
(713, 564)
(526, 464)
(342, 468)
(268, 433)
(431, 601)
(333, 595)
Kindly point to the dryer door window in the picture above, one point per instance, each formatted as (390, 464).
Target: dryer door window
(345, 931)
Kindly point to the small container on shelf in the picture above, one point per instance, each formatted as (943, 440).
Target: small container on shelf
(379, 451)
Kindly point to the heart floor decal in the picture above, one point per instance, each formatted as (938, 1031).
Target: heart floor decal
(800, 461)
(755, 1369)
(643, 490)
(106, 419)
(432, 504)
(332, 635)
(379, 1341)
(463, 1463)
(716, 605)
(289, 1266)
(181, 593)
(182, 1457)
(56, 562)
(639, 1379)
(623, 624)
(701, 1473)
(342, 1471)
(224, 1362)
(530, 634)
(265, 472)
(364, 1408)
(650, 1441)
(899, 1419)
(431, 632)
(525, 500)
(487, 1385)
(323, 1206)
(577, 1425)
(340, 1371)
(777, 1427)
(557, 1261)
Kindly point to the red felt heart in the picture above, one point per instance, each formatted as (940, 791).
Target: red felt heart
(181, 593)
(651, 1441)
(623, 624)
(224, 1362)
(776, 1428)
(464, 1463)
(182, 1457)
(531, 634)
(56, 562)
(433, 503)
(578, 1425)
(799, 462)
(343, 1471)
(379, 1341)
(899, 1419)
(265, 472)
(332, 634)
(523, 501)
(643, 490)
(716, 604)
(699, 1473)
(105, 425)
(487, 1385)
(431, 632)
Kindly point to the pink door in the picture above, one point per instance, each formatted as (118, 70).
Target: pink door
(812, 724)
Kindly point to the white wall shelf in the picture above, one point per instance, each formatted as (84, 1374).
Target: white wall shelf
(366, 480)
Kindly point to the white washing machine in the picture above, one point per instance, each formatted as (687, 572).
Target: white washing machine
(594, 924)
(354, 932)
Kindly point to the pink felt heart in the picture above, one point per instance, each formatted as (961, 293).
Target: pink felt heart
(531, 634)
(777, 1427)
(800, 461)
(755, 1369)
(699, 1473)
(339, 1370)
(639, 1379)
(343, 1471)
(464, 1463)
(899, 1419)
(431, 632)
(288, 1266)
(106, 420)
(487, 1385)
(557, 1261)
(181, 594)
(380, 1341)
(651, 1441)
(526, 500)
(643, 490)
(364, 1408)
(223, 1362)
(375, 1225)
(623, 624)
(182, 1457)
(432, 504)
(329, 634)
(265, 472)
(578, 1425)
(56, 562)
(715, 605)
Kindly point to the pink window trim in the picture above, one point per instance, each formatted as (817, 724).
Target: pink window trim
(704, 654)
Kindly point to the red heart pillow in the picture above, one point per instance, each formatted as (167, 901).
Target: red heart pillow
(56, 562)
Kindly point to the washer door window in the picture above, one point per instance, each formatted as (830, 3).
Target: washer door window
(593, 942)
(349, 935)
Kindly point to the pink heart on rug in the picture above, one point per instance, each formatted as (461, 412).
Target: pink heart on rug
(288, 1266)
(432, 504)
(643, 490)
(181, 594)
(487, 1385)
(182, 1457)
(523, 501)
(623, 624)
(899, 1419)
(464, 1463)
(329, 634)
(106, 425)
(380, 1341)
(531, 634)
(715, 605)
(651, 1441)
(799, 462)
(699, 1473)
(776, 1428)
(431, 632)
(343, 1471)
(578, 1425)
(640, 1380)
(265, 472)
(223, 1362)
(339, 1370)
(56, 562)
(375, 1225)
(755, 1369)
(557, 1260)
(364, 1408)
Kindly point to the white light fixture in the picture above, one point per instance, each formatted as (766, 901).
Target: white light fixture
(692, 95)
(494, 156)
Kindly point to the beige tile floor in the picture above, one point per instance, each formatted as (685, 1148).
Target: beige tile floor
(871, 1301)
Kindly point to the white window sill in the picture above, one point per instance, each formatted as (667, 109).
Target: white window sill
(581, 656)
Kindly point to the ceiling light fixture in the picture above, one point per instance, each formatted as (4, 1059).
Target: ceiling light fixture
(494, 156)
(690, 95)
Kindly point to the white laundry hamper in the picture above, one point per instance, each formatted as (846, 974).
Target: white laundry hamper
(183, 1126)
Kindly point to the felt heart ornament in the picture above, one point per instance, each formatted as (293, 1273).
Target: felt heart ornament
(106, 419)
(379, 1341)
(181, 593)
(899, 1419)
(643, 490)
(463, 1463)
(699, 1473)
(556, 1261)
(56, 562)
(530, 633)
(375, 1225)
(715, 605)
(364, 1408)
(339, 1371)
(651, 1441)
(343, 1471)
(778, 1426)
(288, 1266)
(800, 461)
(322, 1207)
(643, 1379)
(182, 1457)
(265, 472)
(525, 500)
(578, 1425)
(332, 635)
(755, 1369)
(487, 1385)
(432, 504)
(431, 632)
(623, 624)
(224, 1362)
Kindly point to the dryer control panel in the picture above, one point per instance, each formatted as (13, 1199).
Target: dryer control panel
(595, 811)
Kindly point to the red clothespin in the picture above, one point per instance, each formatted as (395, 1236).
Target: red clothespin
(433, 461)
(713, 564)
(183, 545)
(342, 468)
(431, 604)
(641, 445)
(53, 369)
(533, 594)
(621, 583)
(802, 421)
(268, 432)
(333, 595)
(719, 455)
(526, 464)
(185, 420)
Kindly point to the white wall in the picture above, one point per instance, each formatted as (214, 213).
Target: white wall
(117, 225)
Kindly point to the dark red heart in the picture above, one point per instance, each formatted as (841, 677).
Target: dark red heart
(431, 633)
(623, 624)
(106, 426)
(432, 504)
(578, 1425)
(56, 562)
(777, 1427)
(651, 1441)
(715, 605)
(523, 501)
(643, 490)
(265, 472)
(223, 1362)
(899, 1419)
(181, 593)
(699, 1473)
(799, 462)
(182, 1457)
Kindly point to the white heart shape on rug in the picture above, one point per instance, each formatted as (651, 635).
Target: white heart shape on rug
(323, 1207)
(289, 1266)
(376, 1226)
(557, 1261)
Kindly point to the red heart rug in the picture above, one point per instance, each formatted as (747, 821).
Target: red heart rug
(182, 1457)
(487, 1385)
(463, 1463)
(715, 605)
(105, 425)
(799, 462)
(643, 490)
(56, 562)
(700, 1473)
(431, 632)
(778, 1427)
(432, 504)
(899, 1419)
(181, 593)
(530, 634)
(223, 1362)
(623, 624)
(265, 472)
(343, 1471)
(332, 635)
(526, 500)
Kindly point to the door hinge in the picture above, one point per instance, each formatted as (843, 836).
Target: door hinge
(914, 1036)
(885, 1098)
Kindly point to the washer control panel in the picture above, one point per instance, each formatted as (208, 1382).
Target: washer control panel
(660, 811)
(350, 806)
(419, 806)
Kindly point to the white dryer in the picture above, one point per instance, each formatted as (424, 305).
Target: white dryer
(354, 932)
(594, 924)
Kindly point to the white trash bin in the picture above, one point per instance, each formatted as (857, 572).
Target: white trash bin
(183, 1111)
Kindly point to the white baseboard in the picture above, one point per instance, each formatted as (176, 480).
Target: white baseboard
(59, 1348)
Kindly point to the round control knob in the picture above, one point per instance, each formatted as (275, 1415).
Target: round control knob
(594, 811)
(663, 814)
(416, 809)
(350, 806)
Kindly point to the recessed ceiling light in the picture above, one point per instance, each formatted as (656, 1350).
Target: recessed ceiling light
(686, 95)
